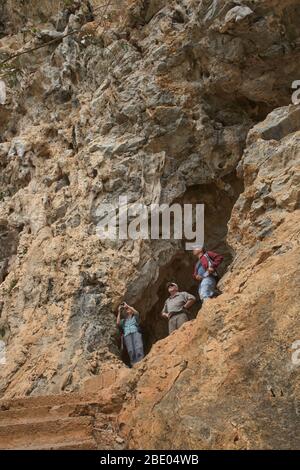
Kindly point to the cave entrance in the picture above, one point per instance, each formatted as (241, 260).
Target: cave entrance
(218, 200)
(153, 326)
(9, 239)
(178, 270)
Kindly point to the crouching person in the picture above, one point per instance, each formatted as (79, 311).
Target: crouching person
(131, 332)
(176, 305)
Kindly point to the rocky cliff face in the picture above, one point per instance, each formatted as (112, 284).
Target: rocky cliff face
(227, 379)
(163, 101)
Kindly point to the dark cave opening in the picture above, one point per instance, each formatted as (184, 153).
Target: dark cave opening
(9, 240)
(178, 270)
(219, 200)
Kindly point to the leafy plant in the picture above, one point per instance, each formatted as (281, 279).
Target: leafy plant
(8, 70)
(68, 3)
(13, 284)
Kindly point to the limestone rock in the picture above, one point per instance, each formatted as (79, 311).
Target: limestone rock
(164, 102)
(238, 13)
(217, 366)
(47, 35)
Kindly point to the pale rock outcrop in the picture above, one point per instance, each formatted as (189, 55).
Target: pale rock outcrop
(238, 13)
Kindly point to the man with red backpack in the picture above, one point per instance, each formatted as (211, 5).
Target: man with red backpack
(206, 272)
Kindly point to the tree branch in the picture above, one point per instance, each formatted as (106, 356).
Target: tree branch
(18, 54)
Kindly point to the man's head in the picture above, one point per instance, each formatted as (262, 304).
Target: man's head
(199, 251)
(172, 288)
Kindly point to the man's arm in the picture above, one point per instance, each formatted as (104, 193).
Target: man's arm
(134, 311)
(164, 312)
(189, 303)
(195, 272)
(119, 316)
(197, 276)
(190, 300)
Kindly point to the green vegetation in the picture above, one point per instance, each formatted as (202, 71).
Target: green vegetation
(13, 284)
(68, 3)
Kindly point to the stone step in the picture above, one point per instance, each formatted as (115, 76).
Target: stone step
(87, 444)
(30, 415)
(47, 400)
(46, 433)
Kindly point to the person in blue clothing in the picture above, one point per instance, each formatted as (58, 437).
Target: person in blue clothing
(207, 283)
(131, 332)
(205, 272)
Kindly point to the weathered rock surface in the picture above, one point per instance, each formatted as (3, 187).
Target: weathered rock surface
(227, 379)
(180, 101)
(59, 422)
